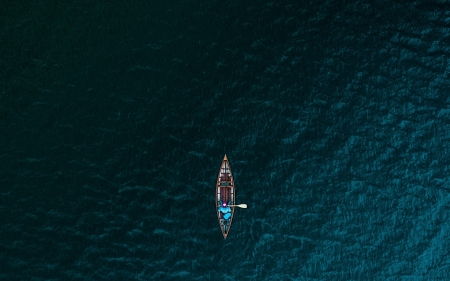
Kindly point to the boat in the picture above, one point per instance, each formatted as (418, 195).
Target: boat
(225, 192)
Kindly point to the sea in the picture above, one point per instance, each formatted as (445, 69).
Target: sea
(115, 117)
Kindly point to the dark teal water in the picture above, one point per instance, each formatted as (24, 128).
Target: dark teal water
(114, 119)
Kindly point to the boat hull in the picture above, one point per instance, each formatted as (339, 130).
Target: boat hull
(225, 192)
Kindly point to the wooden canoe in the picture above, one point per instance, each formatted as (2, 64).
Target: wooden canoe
(225, 192)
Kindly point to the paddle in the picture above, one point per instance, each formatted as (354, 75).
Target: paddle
(244, 206)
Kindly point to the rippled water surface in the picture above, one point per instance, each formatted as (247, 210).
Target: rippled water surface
(114, 119)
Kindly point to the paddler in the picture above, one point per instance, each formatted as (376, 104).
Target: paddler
(225, 209)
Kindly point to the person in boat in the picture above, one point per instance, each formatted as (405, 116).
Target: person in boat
(225, 209)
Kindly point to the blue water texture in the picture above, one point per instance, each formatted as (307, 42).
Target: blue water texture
(115, 117)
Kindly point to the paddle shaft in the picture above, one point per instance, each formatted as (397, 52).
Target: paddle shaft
(244, 206)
